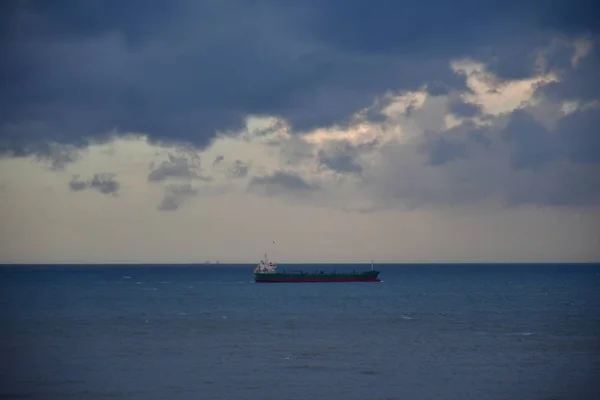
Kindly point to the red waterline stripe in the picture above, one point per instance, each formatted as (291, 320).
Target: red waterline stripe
(282, 280)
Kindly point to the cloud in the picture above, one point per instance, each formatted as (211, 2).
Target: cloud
(442, 150)
(339, 162)
(177, 167)
(370, 106)
(504, 151)
(577, 136)
(239, 169)
(532, 145)
(182, 72)
(294, 150)
(105, 183)
(281, 182)
(579, 79)
(342, 157)
(53, 155)
(512, 160)
(77, 185)
(58, 156)
(218, 159)
(461, 108)
(169, 203)
(175, 195)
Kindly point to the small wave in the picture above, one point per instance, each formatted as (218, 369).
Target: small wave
(149, 288)
(126, 277)
(307, 367)
(401, 319)
(369, 372)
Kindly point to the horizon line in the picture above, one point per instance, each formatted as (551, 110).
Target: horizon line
(137, 263)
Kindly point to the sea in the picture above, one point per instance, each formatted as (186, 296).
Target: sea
(427, 331)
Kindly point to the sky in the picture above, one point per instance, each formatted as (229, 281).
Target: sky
(186, 131)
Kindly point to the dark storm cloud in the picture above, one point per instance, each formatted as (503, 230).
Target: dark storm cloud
(576, 136)
(580, 83)
(181, 70)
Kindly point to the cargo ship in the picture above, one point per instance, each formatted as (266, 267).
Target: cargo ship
(266, 272)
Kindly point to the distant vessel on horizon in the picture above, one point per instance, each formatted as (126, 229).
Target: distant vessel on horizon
(266, 272)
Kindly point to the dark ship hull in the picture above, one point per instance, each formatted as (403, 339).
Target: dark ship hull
(366, 276)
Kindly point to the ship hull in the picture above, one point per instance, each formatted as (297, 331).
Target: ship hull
(370, 276)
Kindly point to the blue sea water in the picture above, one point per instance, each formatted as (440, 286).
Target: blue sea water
(208, 332)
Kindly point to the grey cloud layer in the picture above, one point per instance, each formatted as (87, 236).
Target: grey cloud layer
(179, 71)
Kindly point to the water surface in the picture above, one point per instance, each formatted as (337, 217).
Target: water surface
(208, 332)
